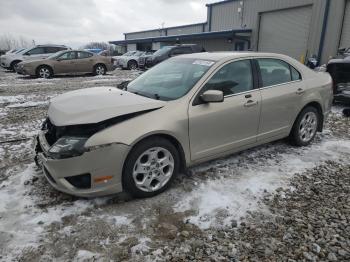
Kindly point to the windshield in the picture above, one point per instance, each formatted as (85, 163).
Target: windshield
(129, 53)
(171, 79)
(55, 55)
(19, 50)
(162, 51)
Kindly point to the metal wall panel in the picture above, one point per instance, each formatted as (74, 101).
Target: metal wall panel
(345, 35)
(210, 45)
(144, 34)
(286, 32)
(226, 16)
(183, 30)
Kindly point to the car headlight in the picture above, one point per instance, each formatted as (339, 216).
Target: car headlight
(66, 147)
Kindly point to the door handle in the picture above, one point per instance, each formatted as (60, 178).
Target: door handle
(250, 103)
(300, 91)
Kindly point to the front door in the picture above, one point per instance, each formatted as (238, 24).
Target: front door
(216, 128)
(66, 63)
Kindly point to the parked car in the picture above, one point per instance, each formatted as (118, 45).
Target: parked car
(115, 59)
(10, 61)
(343, 52)
(131, 62)
(66, 62)
(185, 111)
(339, 69)
(169, 51)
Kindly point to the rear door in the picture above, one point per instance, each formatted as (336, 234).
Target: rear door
(84, 62)
(282, 92)
(216, 128)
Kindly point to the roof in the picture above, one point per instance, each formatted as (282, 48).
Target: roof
(202, 35)
(220, 2)
(217, 56)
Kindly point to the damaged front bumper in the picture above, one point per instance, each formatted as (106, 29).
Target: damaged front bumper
(97, 172)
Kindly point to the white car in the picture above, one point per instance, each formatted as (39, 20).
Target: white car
(10, 61)
(132, 62)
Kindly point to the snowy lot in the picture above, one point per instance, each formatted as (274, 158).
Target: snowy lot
(209, 214)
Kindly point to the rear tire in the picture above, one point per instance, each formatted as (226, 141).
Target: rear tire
(305, 127)
(99, 70)
(44, 72)
(150, 167)
(132, 65)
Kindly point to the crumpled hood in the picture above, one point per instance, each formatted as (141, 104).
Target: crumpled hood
(93, 105)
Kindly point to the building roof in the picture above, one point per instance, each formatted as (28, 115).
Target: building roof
(206, 35)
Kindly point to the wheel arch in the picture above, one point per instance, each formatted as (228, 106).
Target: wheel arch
(133, 60)
(173, 140)
(38, 67)
(318, 107)
(14, 62)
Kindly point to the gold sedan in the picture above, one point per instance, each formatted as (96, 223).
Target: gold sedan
(66, 62)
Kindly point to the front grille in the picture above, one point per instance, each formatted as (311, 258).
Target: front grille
(80, 181)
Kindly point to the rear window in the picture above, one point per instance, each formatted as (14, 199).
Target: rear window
(36, 51)
(274, 71)
(82, 55)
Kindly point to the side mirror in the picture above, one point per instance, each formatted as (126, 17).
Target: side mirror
(212, 96)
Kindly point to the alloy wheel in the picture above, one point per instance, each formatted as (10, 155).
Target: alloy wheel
(308, 127)
(44, 72)
(100, 70)
(153, 169)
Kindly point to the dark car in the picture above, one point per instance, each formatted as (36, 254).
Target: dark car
(168, 51)
(339, 69)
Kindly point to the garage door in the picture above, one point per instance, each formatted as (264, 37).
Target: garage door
(285, 31)
(345, 38)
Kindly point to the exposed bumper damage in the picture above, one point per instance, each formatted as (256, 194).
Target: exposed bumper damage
(96, 172)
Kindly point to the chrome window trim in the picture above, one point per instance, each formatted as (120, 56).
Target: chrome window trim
(241, 93)
(286, 83)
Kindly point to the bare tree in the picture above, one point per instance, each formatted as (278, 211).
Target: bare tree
(7, 42)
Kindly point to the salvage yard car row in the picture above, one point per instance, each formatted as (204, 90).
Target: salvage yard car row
(46, 61)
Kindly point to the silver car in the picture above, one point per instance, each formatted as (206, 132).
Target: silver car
(10, 61)
(184, 111)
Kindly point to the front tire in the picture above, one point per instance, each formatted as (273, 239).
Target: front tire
(44, 72)
(13, 66)
(132, 65)
(305, 127)
(100, 70)
(150, 167)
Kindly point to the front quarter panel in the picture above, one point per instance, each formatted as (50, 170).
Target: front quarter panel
(170, 120)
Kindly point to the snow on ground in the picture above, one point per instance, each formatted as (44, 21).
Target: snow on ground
(219, 201)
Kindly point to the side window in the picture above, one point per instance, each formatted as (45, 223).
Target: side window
(274, 71)
(67, 56)
(82, 55)
(295, 74)
(176, 51)
(232, 78)
(36, 51)
(51, 50)
(187, 50)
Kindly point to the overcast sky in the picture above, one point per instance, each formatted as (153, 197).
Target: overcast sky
(76, 22)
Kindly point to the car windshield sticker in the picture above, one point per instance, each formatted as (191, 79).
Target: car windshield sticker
(203, 62)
